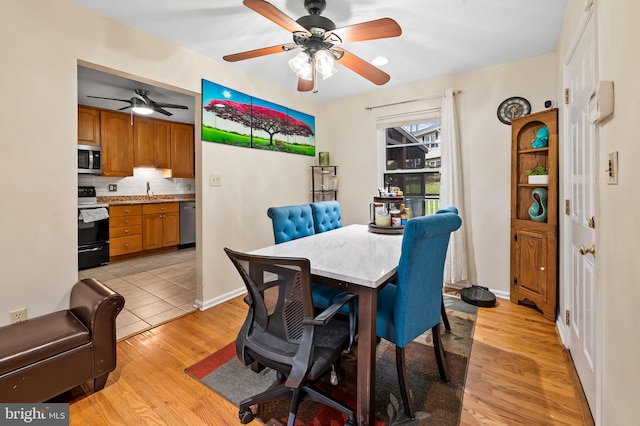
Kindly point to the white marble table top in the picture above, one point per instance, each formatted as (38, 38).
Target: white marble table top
(351, 254)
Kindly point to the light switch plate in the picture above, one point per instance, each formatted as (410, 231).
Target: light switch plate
(613, 168)
(215, 180)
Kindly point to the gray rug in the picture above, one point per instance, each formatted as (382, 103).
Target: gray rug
(436, 403)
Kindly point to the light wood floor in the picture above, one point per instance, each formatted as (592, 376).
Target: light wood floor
(519, 374)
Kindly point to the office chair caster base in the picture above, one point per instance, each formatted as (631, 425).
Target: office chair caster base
(245, 416)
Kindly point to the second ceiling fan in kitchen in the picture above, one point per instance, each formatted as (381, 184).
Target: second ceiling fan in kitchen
(141, 103)
(319, 40)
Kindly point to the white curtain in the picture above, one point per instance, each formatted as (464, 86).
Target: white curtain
(451, 192)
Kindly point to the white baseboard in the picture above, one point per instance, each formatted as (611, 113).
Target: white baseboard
(203, 305)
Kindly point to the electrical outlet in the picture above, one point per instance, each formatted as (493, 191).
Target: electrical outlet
(113, 187)
(215, 180)
(18, 315)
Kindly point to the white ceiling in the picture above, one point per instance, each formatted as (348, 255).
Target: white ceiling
(439, 37)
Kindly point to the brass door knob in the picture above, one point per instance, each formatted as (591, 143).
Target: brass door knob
(584, 250)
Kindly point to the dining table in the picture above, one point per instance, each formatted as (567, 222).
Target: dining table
(352, 259)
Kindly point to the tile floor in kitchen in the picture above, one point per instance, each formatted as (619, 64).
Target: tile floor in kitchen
(156, 288)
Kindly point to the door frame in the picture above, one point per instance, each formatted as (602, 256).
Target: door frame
(565, 277)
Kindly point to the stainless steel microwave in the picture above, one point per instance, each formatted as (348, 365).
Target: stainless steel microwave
(90, 159)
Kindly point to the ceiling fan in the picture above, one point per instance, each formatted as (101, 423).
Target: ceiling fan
(319, 38)
(141, 103)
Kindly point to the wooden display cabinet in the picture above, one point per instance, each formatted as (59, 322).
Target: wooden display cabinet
(534, 247)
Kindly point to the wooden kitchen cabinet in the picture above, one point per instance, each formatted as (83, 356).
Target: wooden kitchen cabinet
(151, 143)
(88, 126)
(160, 225)
(117, 143)
(125, 230)
(182, 151)
(534, 245)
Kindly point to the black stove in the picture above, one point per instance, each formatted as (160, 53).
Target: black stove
(93, 229)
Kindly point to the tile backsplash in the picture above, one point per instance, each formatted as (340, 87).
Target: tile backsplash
(137, 184)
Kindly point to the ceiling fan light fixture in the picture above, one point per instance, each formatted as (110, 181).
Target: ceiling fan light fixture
(324, 64)
(301, 65)
(139, 107)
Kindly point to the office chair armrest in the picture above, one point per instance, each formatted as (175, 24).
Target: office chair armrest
(327, 314)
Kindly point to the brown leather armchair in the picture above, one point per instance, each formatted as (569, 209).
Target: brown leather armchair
(45, 356)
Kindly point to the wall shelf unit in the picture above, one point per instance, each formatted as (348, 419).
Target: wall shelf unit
(324, 183)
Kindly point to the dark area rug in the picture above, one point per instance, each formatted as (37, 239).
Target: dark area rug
(436, 403)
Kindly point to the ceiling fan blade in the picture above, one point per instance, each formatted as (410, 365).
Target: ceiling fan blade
(364, 68)
(163, 105)
(161, 111)
(371, 30)
(254, 53)
(123, 108)
(111, 99)
(274, 14)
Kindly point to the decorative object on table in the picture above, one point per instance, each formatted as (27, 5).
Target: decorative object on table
(235, 118)
(513, 107)
(437, 403)
(323, 158)
(538, 210)
(317, 37)
(542, 138)
(385, 214)
(538, 175)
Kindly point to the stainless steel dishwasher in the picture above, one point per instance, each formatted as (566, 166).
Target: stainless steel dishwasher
(187, 224)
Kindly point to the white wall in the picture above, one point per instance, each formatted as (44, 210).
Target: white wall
(38, 137)
(350, 132)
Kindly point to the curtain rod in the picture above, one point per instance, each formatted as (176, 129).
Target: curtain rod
(455, 92)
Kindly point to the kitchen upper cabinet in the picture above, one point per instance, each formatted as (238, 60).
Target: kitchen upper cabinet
(160, 225)
(117, 143)
(88, 126)
(152, 143)
(182, 151)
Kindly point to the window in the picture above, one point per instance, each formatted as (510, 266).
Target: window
(412, 161)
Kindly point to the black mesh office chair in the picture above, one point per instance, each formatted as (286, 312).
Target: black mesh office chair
(282, 333)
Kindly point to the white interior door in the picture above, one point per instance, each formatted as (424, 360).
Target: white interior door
(580, 177)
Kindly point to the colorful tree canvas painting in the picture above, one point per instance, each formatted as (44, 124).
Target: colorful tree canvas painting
(226, 115)
(234, 118)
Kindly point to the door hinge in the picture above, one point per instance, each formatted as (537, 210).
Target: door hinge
(566, 96)
(592, 222)
(567, 207)
(567, 317)
(515, 280)
(515, 237)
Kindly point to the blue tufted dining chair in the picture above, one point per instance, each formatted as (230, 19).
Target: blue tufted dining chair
(445, 318)
(326, 215)
(293, 222)
(411, 306)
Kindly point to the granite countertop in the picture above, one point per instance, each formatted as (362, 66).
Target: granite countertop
(143, 199)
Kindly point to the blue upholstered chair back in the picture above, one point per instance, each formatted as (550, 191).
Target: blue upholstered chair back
(326, 215)
(448, 209)
(291, 222)
(420, 276)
